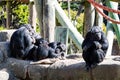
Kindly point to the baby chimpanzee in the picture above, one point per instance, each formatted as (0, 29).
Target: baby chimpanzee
(94, 47)
(45, 50)
(59, 47)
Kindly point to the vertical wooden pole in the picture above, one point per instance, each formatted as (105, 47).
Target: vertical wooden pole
(39, 10)
(32, 15)
(110, 37)
(49, 20)
(46, 15)
(9, 12)
(68, 9)
(99, 17)
(88, 17)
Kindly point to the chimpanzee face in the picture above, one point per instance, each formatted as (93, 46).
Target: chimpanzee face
(95, 33)
(97, 36)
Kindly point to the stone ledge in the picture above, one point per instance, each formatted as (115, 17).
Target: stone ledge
(5, 35)
(69, 69)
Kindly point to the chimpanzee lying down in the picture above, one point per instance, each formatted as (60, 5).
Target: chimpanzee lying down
(94, 47)
(27, 45)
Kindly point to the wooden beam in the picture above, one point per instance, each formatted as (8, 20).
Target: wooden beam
(9, 14)
(89, 16)
(32, 15)
(49, 19)
(46, 16)
(110, 37)
(65, 21)
(98, 16)
(39, 10)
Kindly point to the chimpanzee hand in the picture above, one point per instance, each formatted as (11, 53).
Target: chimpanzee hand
(97, 45)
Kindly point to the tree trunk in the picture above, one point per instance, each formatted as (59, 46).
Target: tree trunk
(9, 12)
(32, 15)
(39, 9)
(88, 17)
(46, 16)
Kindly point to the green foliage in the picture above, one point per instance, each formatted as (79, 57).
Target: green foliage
(73, 5)
(21, 12)
(2, 28)
(37, 28)
(78, 22)
(19, 15)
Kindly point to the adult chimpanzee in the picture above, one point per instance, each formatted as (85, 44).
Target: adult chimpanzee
(22, 41)
(94, 47)
(28, 45)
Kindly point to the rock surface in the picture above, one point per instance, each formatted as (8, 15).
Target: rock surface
(68, 69)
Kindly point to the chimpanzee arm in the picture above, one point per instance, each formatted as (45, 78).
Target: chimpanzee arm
(52, 54)
(104, 42)
(87, 43)
(97, 45)
(28, 41)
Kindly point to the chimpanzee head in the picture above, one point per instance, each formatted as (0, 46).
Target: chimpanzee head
(96, 32)
(29, 28)
(41, 41)
(60, 47)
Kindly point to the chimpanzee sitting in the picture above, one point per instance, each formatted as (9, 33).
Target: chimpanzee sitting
(27, 45)
(94, 47)
(22, 41)
(43, 50)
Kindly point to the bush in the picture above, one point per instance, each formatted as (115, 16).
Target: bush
(20, 15)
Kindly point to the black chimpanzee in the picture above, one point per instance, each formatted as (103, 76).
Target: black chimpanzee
(28, 45)
(94, 47)
(59, 47)
(22, 41)
(45, 50)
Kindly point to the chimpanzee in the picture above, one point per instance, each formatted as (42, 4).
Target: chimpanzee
(59, 47)
(22, 41)
(45, 50)
(28, 45)
(94, 47)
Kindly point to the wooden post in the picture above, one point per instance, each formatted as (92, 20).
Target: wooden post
(9, 12)
(89, 17)
(39, 10)
(116, 27)
(61, 35)
(46, 15)
(69, 9)
(49, 20)
(99, 17)
(110, 37)
(32, 15)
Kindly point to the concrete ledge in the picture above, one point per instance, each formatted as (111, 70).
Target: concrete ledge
(5, 35)
(69, 69)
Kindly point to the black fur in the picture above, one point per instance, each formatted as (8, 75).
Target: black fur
(94, 47)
